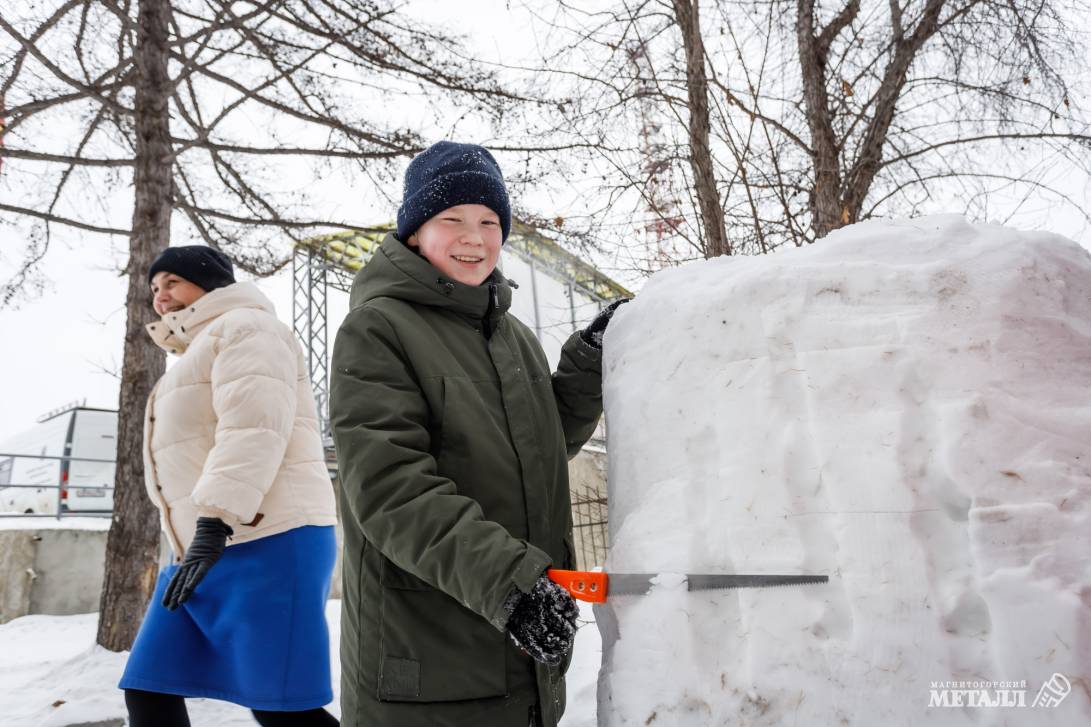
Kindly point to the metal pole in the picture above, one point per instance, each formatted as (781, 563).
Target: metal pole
(534, 296)
(60, 499)
(571, 306)
(309, 321)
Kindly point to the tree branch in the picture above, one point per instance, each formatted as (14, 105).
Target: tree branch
(89, 91)
(62, 220)
(258, 222)
(869, 157)
(295, 113)
(1081, 138)
(839, 23)
(20, 57)
(12, 153)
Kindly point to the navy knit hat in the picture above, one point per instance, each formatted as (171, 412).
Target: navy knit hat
(448, 174)
(203, 266)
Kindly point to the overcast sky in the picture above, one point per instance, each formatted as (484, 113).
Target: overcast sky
(66, 345)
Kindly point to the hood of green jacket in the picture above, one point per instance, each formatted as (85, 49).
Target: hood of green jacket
(395, 271)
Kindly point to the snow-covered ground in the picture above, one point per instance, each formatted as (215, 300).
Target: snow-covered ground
(52, 674)
(904, 406)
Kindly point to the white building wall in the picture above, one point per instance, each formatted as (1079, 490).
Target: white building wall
(549, 306)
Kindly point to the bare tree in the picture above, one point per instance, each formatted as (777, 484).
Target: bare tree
(687, 17)
(820, 114)
(132, 545)
(229, 113)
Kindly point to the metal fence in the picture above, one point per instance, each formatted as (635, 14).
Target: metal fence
(589, 527)
(60, 506)
(589, 507)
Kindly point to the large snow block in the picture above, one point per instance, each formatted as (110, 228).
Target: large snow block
(904, 406)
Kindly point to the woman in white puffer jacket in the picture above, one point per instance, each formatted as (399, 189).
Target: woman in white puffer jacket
(234, 461)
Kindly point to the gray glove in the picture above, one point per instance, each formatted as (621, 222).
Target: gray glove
(543, 622)
(208, 545)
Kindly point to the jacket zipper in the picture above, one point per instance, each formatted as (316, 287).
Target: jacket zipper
(494, 303)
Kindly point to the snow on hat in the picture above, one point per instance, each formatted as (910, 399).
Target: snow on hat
(203, 266)
(448, 174)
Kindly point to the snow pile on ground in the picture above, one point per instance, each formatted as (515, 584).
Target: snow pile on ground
(904, 406)
(583, 672)
(52, 674)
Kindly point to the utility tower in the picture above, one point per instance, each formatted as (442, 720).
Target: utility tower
(660, 199)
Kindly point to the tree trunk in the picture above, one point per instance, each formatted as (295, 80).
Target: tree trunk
(860, 177)
(132, 548)
(700, 155)
(827, 210)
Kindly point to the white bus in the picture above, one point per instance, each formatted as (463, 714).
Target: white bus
(80, 432)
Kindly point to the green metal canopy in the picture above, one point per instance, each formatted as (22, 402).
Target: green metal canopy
(346, 252)
(332, 260)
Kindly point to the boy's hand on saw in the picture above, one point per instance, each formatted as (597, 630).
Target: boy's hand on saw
(543, 622)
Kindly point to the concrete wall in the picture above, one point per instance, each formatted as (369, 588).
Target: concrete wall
(52, 570)
(17, 573)
(58, 571)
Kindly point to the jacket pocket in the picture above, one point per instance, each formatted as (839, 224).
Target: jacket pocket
(433, 649)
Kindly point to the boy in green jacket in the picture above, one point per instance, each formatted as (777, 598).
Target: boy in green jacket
(452, 443)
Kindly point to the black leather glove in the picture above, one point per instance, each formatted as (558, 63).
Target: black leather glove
(592, 335)
(208, 545)
(543, 622)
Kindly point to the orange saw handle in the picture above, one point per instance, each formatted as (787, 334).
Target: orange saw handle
(590, 586)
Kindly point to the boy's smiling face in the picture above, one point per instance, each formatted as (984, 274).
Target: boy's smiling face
(462, 242)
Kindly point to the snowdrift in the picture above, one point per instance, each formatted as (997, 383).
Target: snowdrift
(904, 406)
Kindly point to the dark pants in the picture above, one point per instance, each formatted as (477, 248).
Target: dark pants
(153, 709)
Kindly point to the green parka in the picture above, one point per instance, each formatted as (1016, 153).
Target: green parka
(452, 443)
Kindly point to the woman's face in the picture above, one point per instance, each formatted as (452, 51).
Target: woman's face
(463, 242)
(171, 292)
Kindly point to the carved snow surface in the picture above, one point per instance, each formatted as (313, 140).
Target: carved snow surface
(904, 406)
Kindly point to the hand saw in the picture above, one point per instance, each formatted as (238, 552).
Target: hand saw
(596, 586)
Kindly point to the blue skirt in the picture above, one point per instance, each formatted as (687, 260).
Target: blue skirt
(253, 632)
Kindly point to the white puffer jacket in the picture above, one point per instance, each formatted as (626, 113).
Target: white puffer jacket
(231, 430)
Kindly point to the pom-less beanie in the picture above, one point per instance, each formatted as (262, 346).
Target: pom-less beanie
(448, 174)
(205, 267)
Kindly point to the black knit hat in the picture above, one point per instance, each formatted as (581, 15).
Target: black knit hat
(448, 174)
(203, 266)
